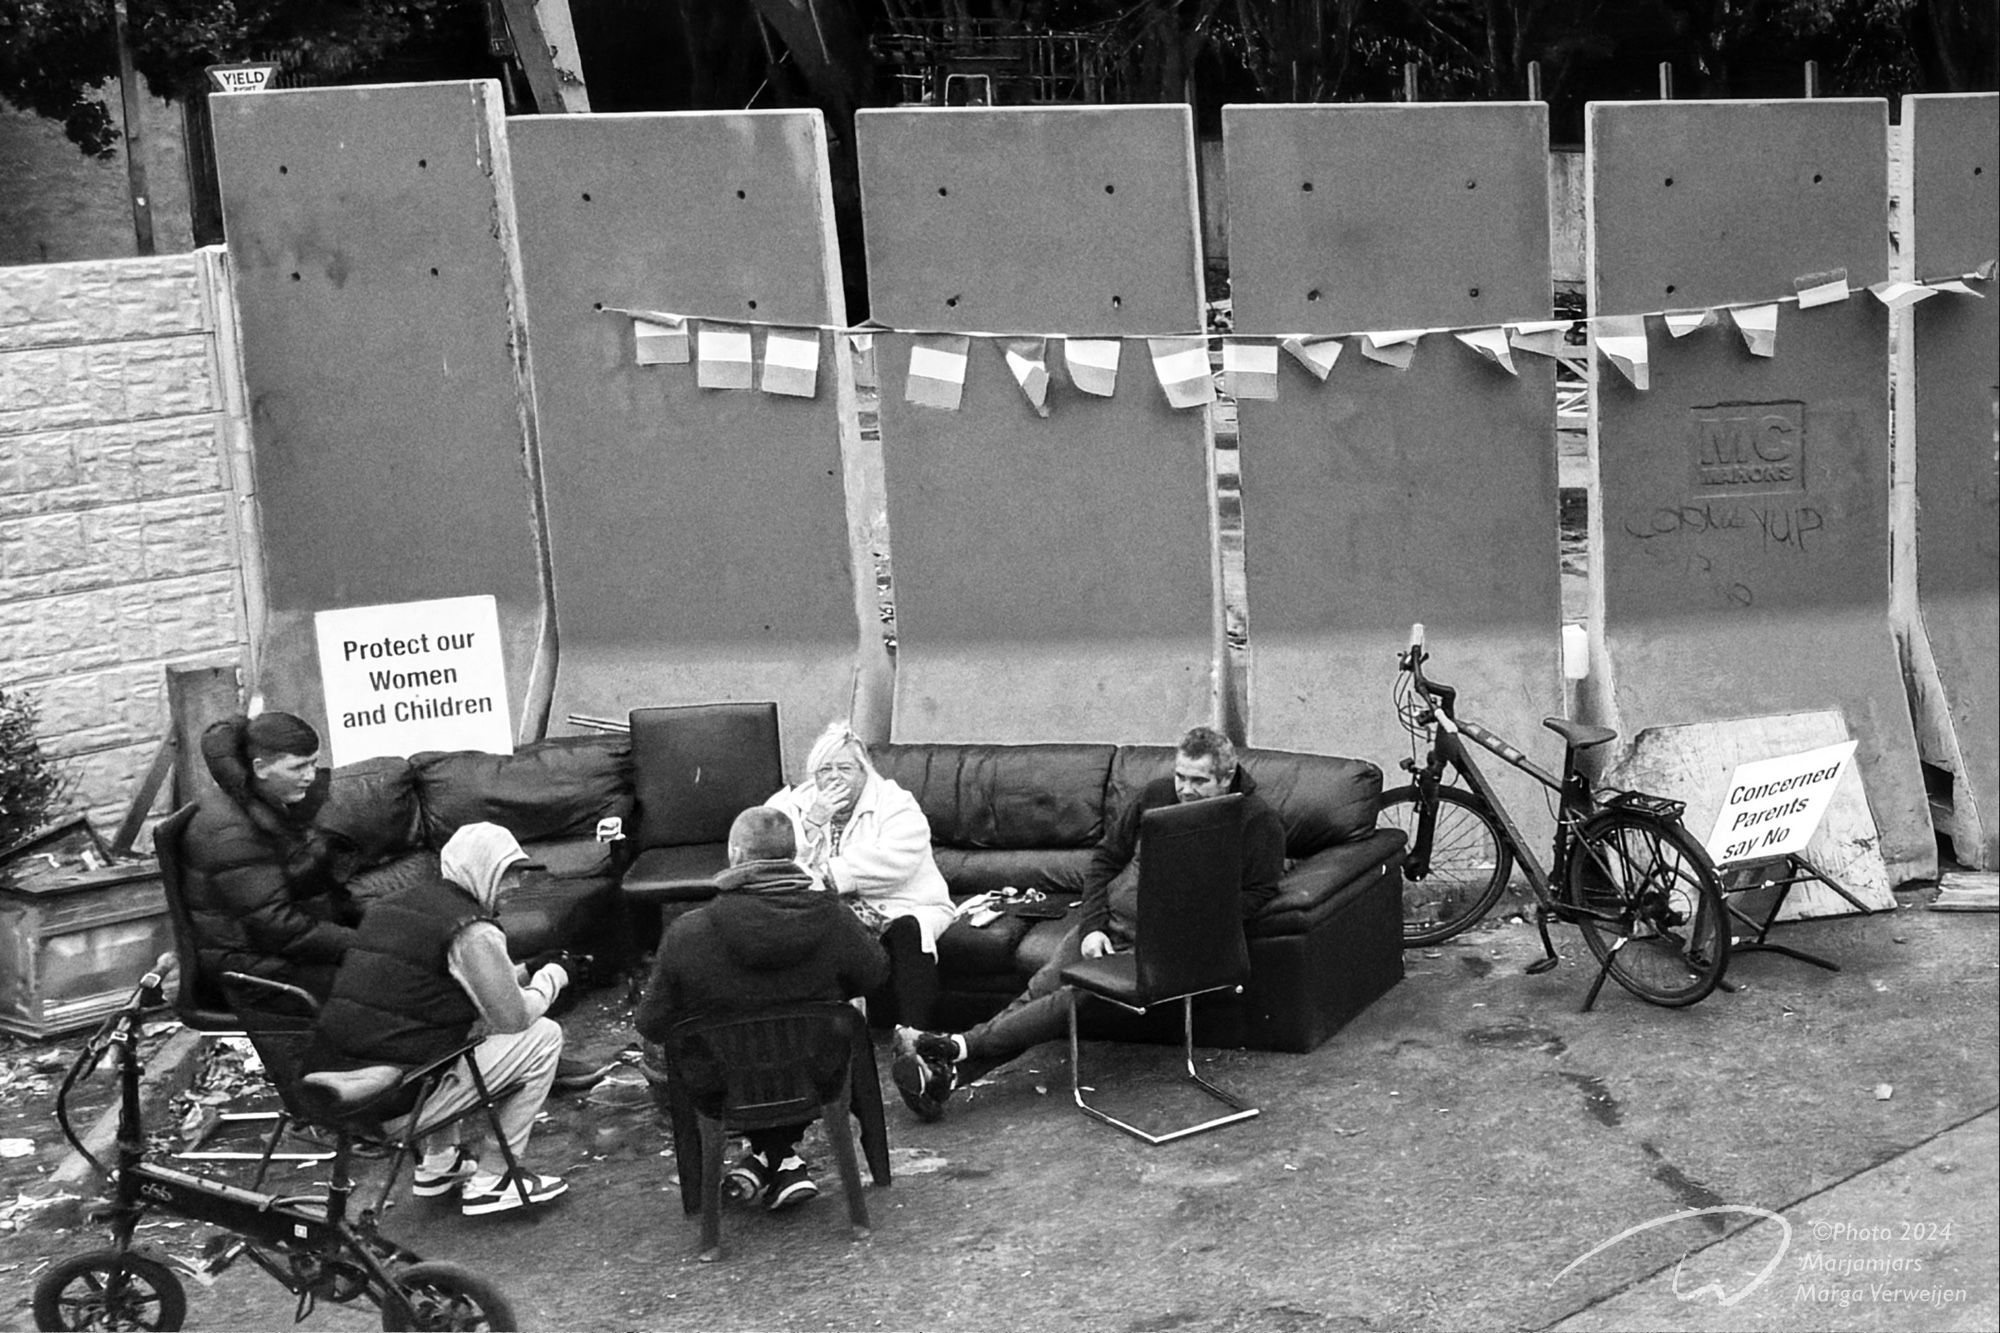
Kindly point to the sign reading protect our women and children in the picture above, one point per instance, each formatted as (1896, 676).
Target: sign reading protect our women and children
(1773, 806)
(413, 676)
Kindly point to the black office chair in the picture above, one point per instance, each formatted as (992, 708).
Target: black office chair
(785, 1065)
(694, 769)
(1189, 941)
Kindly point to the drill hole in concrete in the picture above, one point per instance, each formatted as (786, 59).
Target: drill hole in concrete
(1306, 187)
(586, 196)
(753, 305)
(423, 164)
(1117, 302)
(742, 195)
(1670, 289)
(284, 170)
(1670, 182)
(1111, 189)
(1313, 295)
(943, 192)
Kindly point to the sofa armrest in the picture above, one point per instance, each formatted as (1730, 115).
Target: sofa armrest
(1315, 887)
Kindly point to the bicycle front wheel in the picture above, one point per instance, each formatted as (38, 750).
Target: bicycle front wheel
(1469, 864)
(1646, 898)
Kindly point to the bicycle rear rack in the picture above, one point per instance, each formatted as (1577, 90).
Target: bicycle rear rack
(1662, 807)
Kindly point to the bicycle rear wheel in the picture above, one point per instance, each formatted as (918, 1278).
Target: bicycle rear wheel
(1647, 901)
(1469, 865)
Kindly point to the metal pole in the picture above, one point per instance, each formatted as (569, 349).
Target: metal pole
(1534, 80)
(1812, 78)
(135, 136)
(1410, 81)
(1666, 81)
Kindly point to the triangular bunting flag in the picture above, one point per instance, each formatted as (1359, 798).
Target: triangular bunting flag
(862, 346)
(791, 362)
(1901, 295)
(1392, 347)
(1250, 369)
(1759, 326)
(1093, 364)
(937, 370)
(659, 340)
(1181, 365)
(1545, 337)
(1317, 355)
(1622, 339)
(1491, 344)
(1818, 289)
(1958, 285)
(1028, 358)
(1985, 271)
(723, 357)
(1681, 323)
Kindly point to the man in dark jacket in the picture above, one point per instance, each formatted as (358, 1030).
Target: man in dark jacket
(771, 936)
(932, 1064)
(260, 889)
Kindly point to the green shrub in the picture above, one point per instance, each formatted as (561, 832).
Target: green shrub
(31, 786)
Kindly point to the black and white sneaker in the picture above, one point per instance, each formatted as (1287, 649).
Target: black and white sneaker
(924, 1084)
(750, 1177)
(791, 1184)
(429, 1181)
(503, 1193)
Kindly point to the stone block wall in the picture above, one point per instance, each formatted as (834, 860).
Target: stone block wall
(119, 549)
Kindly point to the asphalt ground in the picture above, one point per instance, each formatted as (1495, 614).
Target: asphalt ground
(1471, 1153)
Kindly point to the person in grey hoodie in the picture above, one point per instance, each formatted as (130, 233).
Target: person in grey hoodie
(771, 936)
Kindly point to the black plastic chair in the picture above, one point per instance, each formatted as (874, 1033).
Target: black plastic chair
(1189, 940)
(781, 1066)
(281, 1019)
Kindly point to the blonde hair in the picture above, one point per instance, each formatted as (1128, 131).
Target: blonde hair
(838, 736)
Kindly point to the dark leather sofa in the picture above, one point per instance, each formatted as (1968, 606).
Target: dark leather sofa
(1029, 815)
(395, 815)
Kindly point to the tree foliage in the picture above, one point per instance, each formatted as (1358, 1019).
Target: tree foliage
(30, 784)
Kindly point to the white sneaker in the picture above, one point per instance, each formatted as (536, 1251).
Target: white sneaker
(444, 1171)
(503, 1193)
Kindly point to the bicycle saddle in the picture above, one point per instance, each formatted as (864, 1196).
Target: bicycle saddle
(1579, 735)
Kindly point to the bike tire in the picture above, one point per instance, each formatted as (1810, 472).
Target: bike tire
(119, 1290)
(1470, 864)
(1667, 939)
(450, 1298)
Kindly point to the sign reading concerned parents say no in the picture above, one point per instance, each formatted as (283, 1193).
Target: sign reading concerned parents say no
(414, 676)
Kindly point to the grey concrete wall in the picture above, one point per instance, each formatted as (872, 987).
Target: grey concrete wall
(1383, 497)
(371, 231)
(700, 538)
(119, 548)
(1055, 578)
(1737, 598)
(1949, 610)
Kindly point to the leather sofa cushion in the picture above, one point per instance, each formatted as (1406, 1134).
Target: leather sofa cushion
(1319, 885)
(967, 950)
(370, 886)
(1323, 800)
(1056, 871)
(373, 804)
(676, 874)
(574, 858)
(1131, 769)
(551, 789)
(998, 797)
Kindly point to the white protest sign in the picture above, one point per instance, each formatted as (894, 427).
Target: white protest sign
(414, 676)
(1774, 805)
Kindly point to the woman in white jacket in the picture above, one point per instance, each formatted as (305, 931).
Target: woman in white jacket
(867, 839)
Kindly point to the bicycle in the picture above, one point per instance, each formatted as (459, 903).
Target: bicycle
(307, 1242)
(1637, 885)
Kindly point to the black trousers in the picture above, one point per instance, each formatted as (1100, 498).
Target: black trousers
(911, 992)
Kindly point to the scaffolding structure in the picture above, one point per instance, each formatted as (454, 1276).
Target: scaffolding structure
(972, 62)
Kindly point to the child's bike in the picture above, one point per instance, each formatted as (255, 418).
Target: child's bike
(1633, 880)
(307, 1242)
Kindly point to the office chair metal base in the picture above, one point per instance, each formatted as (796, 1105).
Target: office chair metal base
(1240, 1109)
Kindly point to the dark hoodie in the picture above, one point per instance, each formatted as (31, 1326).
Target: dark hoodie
(259, 890)
(769, 937)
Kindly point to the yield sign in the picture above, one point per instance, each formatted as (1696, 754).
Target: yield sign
(241, 78)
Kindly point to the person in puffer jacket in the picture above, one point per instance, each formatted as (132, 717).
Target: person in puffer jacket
(770, 936)
(262, 890)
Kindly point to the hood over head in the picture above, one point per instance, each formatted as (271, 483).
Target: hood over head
(476, 857)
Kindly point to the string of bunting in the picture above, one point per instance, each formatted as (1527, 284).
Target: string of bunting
(723, 354)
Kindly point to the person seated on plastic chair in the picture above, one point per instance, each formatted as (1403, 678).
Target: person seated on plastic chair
(428, 968)
(930, 1066)
(770, 936)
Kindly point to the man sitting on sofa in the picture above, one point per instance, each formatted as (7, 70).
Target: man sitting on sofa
(931, 1065)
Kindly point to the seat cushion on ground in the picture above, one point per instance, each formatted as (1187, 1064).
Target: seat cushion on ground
(1004, 796)
(676, 874)
(1312, 888)
(552, 789)
(1057, 870)
(1322, 801)
(373, 804)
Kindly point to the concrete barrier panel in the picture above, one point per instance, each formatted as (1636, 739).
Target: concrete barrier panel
(1383, 497)
(700, 538)
(1740, 531)
(1055, 579)
(1951, 367)
(371, 240)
